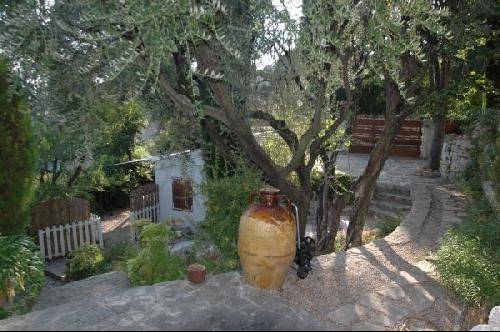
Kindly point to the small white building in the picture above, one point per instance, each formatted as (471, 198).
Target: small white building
(176, 199)
(179, 177)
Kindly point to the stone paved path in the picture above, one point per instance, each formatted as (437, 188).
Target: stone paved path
(55, 293)
(223, 302)
(387, 284)
(397, 170)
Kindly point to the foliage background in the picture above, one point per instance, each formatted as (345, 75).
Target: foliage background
(154, 264)
(21, 273)
(227, 198)
(18, 155)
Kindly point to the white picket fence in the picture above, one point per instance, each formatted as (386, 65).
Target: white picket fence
(149, 212)
(57, 241)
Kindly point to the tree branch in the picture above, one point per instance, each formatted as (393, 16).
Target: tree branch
(312, 131)
(214, 133)
(182, 102)
(315, 148)
(287, 134)
(75, 175)
(240, 127)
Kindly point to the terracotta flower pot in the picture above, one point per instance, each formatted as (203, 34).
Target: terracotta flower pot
(196, 273)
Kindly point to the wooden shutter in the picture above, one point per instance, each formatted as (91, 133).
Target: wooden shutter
(182, 194)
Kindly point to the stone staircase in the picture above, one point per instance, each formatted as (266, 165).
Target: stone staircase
(388, 284)
(390, 201)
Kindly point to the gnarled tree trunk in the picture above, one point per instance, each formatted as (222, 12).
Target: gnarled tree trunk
(440, 76)
(437, 143)
(363, 188)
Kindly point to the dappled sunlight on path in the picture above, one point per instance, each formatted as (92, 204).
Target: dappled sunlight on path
(388, 283)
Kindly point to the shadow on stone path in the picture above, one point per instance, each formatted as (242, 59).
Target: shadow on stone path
(387, 284)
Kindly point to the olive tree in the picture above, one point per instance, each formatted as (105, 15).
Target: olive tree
(201, 55)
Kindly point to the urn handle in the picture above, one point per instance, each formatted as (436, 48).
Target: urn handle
(288, 203)
(252, 196)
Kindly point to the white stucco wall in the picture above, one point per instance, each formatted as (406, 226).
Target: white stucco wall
(187, 165)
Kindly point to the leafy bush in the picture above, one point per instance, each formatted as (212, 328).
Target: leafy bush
(86, 262)
(17, 164)
(21, 273)
(154, 263)
(118, 255)
(137, 227)
(227, 198)
(340, 183)
(484, 163)
(468, 259)
(387, 225)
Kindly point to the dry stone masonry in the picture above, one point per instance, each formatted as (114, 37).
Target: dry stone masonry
(455, 155)
(493, 321)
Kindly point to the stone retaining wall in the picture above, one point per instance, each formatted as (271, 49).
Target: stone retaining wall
(455, 155)
(493, 321)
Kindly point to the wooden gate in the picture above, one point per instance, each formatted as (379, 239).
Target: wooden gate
(58, 211)
(366, 133)
(145, 203)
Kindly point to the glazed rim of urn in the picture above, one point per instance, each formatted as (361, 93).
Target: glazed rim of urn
(268, 190)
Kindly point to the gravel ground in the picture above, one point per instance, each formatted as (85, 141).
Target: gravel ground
(116, 228)
(386, 284)
(119, 219)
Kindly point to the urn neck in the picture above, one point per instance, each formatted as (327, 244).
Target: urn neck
(268, 198)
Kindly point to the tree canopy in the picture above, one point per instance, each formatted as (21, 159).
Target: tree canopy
(195, 63)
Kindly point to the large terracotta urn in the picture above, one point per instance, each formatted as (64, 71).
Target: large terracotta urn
(266, 243)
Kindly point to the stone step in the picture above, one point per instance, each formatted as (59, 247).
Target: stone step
(382, 213)
(390, 188)
(390, 206)
(390, 197)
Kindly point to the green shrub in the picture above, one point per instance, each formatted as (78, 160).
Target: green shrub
(137, 227)
(227, 198)
(154, 264)
(85, 262)
(118, 255)
(340, 184)
(485, 163)
(21, 273)
(17, 164)
(468, 259)
(387, 225)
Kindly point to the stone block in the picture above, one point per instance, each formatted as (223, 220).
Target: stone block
(482, 327)
(494, 318)
(349, 314)
(182, 249)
